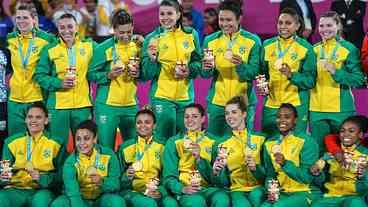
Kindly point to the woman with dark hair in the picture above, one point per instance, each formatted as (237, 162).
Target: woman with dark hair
(142, 165)
(350, 172)
(171, 59)
(187, 168)
(210, 21)
(115, 69)
(35, 158)
(289, 64)
(288, 155)
(91, 173)
(338, 70)
(235, 63)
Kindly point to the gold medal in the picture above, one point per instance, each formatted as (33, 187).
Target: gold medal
(137, 166)
(276, 148)
(29, 166)
(228, 55)
(187, 143)
(91, 170)
(247, 152)
(278, 64)
(321, 164)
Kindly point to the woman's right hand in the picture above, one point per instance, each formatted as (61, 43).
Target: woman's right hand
(152, 50)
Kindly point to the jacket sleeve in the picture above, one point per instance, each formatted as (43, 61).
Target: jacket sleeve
(171, 168)
(111, 183)
(308, 156)
(125, 182)
(150, 69)
(351, 73)
(362, 184)
(364, 54)
(305, 78)
(72, 188)
(247, 71)
(195, 64)
(98, 68)
(43, 74)
(53, 178)
(270, 170)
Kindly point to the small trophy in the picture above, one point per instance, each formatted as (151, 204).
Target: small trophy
(347, 160)
(208, 56)
(71, 73)
(273, 190)
(152, 186)
(179, 66)
(91, 170)
(6, 169)
(187, 144)
(133, 62)
(262, 84)
(153, 45)
(361, 164)
(195, 178)
(276, 148)
(222, 154)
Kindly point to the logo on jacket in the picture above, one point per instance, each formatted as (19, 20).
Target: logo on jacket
(158, 155)
(34, 49)
(46, 153)
(101, 167)
(186, 44)
(294, 56)
(242, 49)
(103, 119)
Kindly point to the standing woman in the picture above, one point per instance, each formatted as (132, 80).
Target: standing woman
(338, 69)
(237, 62)
(290, 66)
(242, 172)
(115, 68)
(141, 161)
(25, 45)
(91, 173)
(288, 155)
(171, 59)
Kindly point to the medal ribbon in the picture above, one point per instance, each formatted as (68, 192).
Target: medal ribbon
(280, 53)
(25, 59)
(333, 55)
(72, 56)
(139, 155)
(29, 149)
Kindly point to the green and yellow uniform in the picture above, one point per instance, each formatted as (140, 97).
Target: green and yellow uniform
(230, 80)
(116, 101)
(168, 94)
(80, 191)
(245, 186)
(179, 164)
(343, 186)
(300, 152)
(45, 156)
(332, 100)
(67, 107)
(149, 153)
(299, 55)
(25, 54)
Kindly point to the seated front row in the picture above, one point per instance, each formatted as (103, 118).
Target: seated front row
(190, 169)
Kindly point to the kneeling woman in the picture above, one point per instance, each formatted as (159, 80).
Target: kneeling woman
(35, 159)
(350, 173)
(141, 165)
(288, 156)
(237, 162)
(91, 173)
